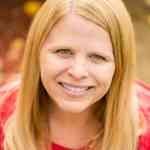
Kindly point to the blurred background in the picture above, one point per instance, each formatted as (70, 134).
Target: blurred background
(15, 19)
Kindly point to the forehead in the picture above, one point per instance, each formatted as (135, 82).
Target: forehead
(74, 29)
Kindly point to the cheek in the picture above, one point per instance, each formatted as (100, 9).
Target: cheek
(104, 71)
(104, 74)
(50, 66)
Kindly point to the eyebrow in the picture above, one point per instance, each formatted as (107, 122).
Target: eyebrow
(54, 46)
(63, 46)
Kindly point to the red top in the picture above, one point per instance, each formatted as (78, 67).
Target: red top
(8, 95)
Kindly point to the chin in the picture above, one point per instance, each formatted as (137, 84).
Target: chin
(73, 107)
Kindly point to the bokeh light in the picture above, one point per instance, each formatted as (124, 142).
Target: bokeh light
(31, 7)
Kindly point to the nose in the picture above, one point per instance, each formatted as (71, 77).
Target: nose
(78, 70)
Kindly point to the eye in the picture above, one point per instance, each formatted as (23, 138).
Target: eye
(97, 58)
(64, 52)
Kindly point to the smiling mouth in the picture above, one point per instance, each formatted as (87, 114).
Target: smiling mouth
(74, 90)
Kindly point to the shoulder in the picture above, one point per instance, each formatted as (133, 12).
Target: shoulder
(143, 93)
(8, 95)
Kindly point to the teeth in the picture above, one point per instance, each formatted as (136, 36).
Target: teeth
(74, 90)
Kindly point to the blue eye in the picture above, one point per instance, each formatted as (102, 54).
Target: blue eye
(97, 58)
(64, 52)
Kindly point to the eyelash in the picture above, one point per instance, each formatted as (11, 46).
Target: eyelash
(63, 52)
(67, 53)
(98, 58)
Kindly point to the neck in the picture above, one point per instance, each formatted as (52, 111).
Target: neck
(73, 120)
(76, 128)
(73, 130)
(69, 127)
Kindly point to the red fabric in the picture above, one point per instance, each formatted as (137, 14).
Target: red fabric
(58, 147)
(8, 105)
(143, 92)
(8, 94)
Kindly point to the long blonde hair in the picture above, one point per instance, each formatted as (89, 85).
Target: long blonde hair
(28, 126)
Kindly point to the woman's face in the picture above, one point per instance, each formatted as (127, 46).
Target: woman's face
(76, 63)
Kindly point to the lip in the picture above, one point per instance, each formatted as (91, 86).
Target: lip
(75, 90)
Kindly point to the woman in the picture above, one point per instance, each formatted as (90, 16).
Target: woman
(77, 90)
